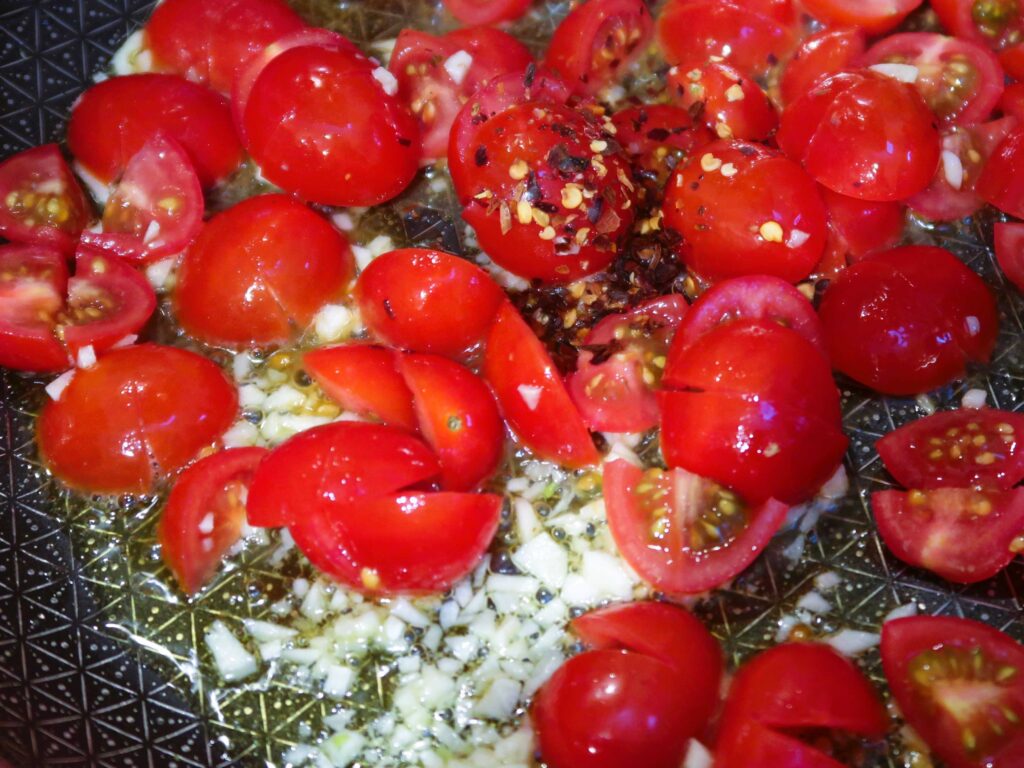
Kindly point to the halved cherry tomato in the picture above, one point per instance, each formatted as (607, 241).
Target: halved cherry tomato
(211, 42)
(259, 272)
(156, 209)
(597, 41)
(546, 190)
(997, 24)
(363, 378)
(729, 104)
(427, 301)
(458, 417)
(695, 30)
(961, 81)
(873, 16)
(620, 365)
(754, 297)
(964, 535)
(486, 11)
(822, 54)
(531, 395)
(863, 226)
(957, 448)
(793, 687)
(324, 123)
(40, 200)
(743, 209)
(617, 706)
(1012, 103)
(336, 465)
(138, 413)
(1001, 183)
(908, 320)
(438, 73)
(960, 685)
(656, 137)
(1009, 247)
(113, 119)
(863, 134)
(681, 533)
(204, 514)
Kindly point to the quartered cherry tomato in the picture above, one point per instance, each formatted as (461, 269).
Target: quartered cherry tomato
(112, 121)
(1009, 247)
(531, 395)
(136, 414)
(598, 40)
(863, 134)
(427, 301)
(156, 209)
(822, 54)
(486, 11)
(728, 103)
(40, 200)
(743, 209)
(908, 320)
(684, 534)
(965, 535)
(873, 16)
(211, 42)
(259, 272)
(326, 124)
(204, 514)
(960, 686)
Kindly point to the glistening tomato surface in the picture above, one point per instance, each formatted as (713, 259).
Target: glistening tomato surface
(137, 413)
(729, 104)
(864, 135)
(204, 514)
(427, 301)
(683, 534)
(113, 119)
(873, 16)
(40, 201)
(322, 125)
(1009, 247)
(743, 209)
(820, 55)
(259, 272)
(997, 24)
(655, 137)
(960, 685)
(908, 320)
(1001, 183)
(863, 226)
(486, 11)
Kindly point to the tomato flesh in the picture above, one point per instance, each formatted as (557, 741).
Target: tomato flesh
(656, 137)
(486, 11)
(873, 16)
(1009, 247)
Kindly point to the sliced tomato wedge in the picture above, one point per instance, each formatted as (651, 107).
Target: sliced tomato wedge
(486, 11)
(960, 685)
(962, 448)
(336, 465)
(407, 542)
(1009, 247)
(822, 54)
(531, 395)
(204, 514)
(962, 534)
(33, 284)
(156, 209)
(363, 378)
(621, 363)
(681, 533)
(40, 200)
(873, 16)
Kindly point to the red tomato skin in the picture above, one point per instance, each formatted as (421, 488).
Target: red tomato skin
(873, 17)
(427, 301)
(363, 378)
(1012, 102)
(336, 465)
(904, 639)
(486, 11)
(1009, 247)
(515, 362)
(36, 283)
(138, 410)
(259, 272)
(458, 417)
(943, 536)
(957, 16)
(752, 745)
(614, 709)
(682, 572)
(1000, 183)
(588, 34)
(905, 451)
(720, 216)
(372, 147)
(42, 167)
(864, 226)
(113, 119)
(211, 42)
(646, 131)
(820, 55)
(404, 543)
(198, 491)
(751, 117)
(927, 294)
(841, 131)
(1012, 61)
